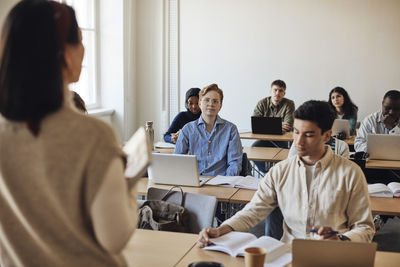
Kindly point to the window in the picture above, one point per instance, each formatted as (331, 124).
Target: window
(86, 87)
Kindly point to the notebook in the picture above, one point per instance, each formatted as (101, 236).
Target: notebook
(383, 146)
(341, 126)
(175, 169)
(266, 125)
(313, 253)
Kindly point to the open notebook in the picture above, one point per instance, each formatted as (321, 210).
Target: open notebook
(138, 150)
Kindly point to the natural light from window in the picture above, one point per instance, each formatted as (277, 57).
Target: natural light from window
(86, 87)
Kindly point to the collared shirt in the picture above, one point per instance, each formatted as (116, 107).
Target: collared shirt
(338, 198)
(372, 124)
(218, 153)
(284, 110)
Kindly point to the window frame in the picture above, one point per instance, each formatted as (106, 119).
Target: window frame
(96, 104)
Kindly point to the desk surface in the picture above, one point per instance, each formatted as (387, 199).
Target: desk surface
(262, 153)
(379, 205)
(288, 136)
(383, 164)
(157, 248)
(386, 259)
(220, 192)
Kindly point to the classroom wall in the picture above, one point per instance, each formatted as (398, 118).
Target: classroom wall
(243, 45)
(313, 45)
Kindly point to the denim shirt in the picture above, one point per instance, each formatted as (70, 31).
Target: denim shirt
(218, 153)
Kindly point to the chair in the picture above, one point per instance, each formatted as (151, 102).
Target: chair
(201, 207)
(246, 166)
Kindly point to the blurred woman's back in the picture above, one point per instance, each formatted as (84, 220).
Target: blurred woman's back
(59, 169)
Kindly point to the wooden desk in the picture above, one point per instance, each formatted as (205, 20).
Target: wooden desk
(288, 136)
(164, 150)
(221, 193)
(382, 259)
(266, 154)
(350, 141)
(385, 206)
(157, 248)
(383, 164)
(282, 155)
(379, 205)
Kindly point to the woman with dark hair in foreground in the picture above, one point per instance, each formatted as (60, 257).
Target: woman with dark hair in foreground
(63, 197)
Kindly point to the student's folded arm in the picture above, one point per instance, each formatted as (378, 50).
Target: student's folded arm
(182, 143)
(261, 205)
(360, 220)
(173, 128)
(360, 142)
(114, 210)
(289, 115)
(259, 109)
(235, 154)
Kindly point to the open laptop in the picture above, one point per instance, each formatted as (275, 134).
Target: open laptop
(266, 125)
(383, 146)
(175, 169)
(341, 126)
(313, 253)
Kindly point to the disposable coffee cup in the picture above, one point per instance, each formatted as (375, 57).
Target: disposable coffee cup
(254, 256)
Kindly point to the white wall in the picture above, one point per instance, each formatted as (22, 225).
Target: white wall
(313, 45)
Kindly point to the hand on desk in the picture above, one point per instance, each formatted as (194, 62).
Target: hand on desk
(390, 121)
(325, 233)
(174, 136)
(207, 233)
(286, 127)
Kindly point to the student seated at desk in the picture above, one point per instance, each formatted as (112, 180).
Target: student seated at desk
(192, 113)
(63, 195)
(275, 105)
(386, 121)
(315, 190)
(214, 141)
(344, 108)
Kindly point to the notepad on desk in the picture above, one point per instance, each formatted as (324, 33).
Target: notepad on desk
(382, 190)
(247, 182)
(234, 244)
(139, 157)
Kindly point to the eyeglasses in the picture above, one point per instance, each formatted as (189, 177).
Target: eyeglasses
(208, 100)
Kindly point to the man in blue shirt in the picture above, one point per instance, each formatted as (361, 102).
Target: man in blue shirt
(214, 141)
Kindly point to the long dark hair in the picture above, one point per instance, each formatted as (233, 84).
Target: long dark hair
(33, 40)
(349, 108)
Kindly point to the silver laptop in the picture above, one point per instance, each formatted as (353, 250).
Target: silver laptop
(341, 126)
(383, 146)
(320, 253)
(175, 169)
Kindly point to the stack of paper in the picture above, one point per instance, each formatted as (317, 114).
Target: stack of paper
(248, 182)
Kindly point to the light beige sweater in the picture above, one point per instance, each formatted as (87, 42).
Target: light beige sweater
(47, 187)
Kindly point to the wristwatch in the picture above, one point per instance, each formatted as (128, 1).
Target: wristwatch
(343, 237)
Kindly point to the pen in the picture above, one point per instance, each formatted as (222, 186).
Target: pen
(332, 232)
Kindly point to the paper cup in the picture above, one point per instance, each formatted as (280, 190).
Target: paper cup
(254, 256)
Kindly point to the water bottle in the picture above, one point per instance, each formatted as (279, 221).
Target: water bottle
(150, 131)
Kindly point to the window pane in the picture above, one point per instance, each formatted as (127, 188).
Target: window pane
(84, 12)
(86, 86)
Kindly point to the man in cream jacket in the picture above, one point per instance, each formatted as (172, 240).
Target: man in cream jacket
(317, 191)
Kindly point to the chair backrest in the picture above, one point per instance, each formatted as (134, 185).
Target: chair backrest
(201, 207)
(246, 166)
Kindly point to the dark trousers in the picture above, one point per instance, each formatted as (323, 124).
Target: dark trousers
(273, 224)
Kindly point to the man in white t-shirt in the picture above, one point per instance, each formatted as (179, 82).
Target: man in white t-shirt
(317, 191)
